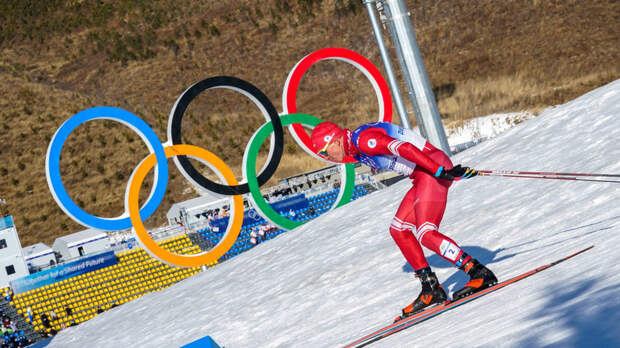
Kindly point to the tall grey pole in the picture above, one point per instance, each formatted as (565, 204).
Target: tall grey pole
(414, 66)
(398, 99)
(386, 19)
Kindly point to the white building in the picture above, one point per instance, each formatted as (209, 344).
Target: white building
(39, 255)
(190, 211)
(81, 243)
(12, 265)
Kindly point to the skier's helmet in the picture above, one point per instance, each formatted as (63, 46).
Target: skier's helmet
(323, 135)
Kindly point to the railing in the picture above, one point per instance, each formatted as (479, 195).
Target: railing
(464, 146)
(122, 239)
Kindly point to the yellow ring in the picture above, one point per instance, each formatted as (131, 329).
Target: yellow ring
(132, 203)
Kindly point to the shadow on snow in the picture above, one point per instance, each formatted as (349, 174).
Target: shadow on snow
(589, 315)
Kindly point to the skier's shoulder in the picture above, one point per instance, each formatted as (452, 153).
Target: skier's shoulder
(374, 142)
(373, 125)
(369, 130)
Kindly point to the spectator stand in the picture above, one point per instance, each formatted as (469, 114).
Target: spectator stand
(19, 332)
(82, 297)
(316, 205)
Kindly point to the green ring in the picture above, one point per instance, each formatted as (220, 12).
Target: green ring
(249, 171)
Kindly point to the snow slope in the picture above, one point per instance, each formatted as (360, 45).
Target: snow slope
(341, 275)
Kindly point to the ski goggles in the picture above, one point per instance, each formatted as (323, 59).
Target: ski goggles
(323, 150)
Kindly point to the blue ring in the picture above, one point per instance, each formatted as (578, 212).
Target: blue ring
(54, 179)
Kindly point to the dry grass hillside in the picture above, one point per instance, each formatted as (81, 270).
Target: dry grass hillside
(60, 57)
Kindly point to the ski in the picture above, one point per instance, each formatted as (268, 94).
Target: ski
(435, 311)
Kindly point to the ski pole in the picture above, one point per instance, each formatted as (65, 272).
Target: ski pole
(516, 172)
(551, 175)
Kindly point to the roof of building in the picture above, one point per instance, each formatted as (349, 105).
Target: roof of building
(194, 203)
(81, 237)
(36, 250)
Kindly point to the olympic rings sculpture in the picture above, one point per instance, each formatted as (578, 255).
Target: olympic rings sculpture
(159, 152)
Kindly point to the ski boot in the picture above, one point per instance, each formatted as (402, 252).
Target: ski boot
(432, 293)
(480, 278)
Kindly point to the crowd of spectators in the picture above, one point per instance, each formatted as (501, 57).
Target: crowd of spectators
(218, 213)
(260, 233)
(214, 214)
(278, 194)
(47, 320)
(296, 184)
(11, 337)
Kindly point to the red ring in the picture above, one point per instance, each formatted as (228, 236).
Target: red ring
(289, 97)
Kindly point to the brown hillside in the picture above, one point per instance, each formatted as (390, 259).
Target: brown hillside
(60, 57)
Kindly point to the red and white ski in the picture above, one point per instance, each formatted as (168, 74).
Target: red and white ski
(435, 311)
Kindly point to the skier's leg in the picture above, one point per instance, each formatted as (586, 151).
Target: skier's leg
(401, 231)
(431, 203)
(429, 211)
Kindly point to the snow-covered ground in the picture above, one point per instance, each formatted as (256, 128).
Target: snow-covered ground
(341, 276)
(473, 131)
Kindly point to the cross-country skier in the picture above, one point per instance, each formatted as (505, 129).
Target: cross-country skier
(385, 146)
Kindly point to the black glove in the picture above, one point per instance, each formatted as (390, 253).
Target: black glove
(456, 173)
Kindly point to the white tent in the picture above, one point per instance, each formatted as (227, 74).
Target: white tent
(81, 243)
(39, 254)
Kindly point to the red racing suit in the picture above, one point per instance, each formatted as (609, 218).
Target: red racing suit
(385, 146)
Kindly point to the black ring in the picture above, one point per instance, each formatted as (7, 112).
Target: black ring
(174, 129)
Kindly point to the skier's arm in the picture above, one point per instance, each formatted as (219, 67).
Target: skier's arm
(373, 143)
